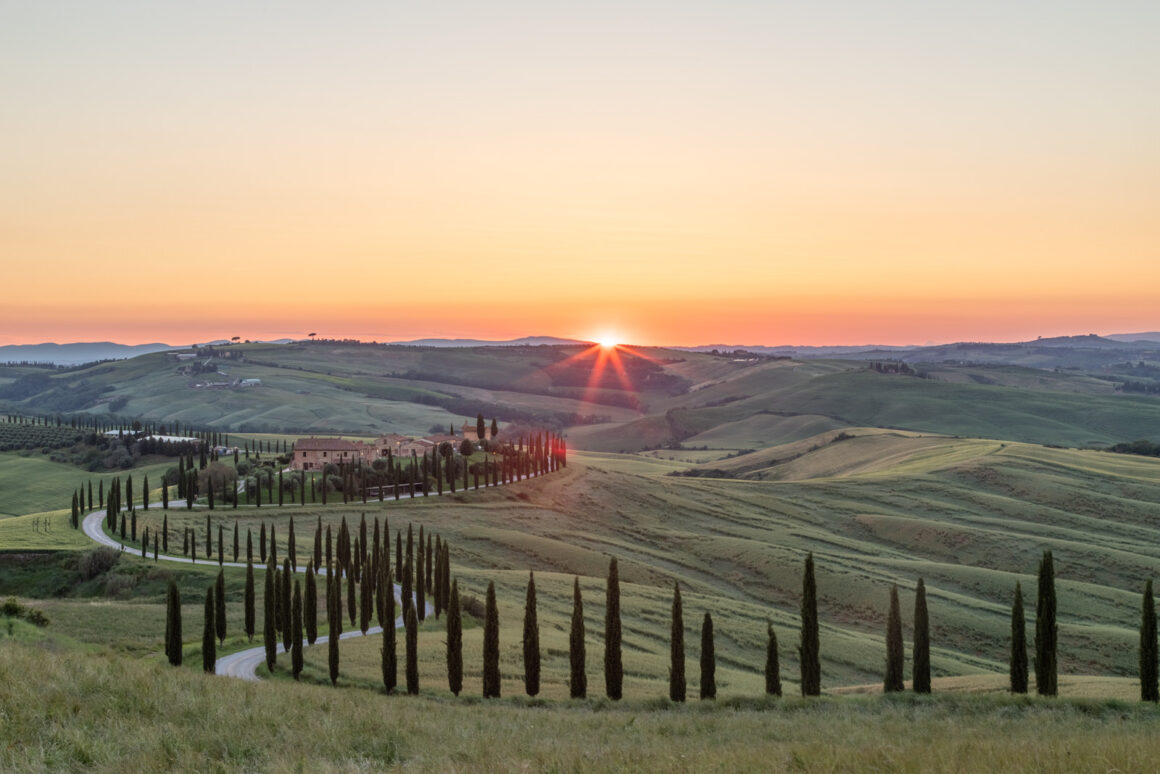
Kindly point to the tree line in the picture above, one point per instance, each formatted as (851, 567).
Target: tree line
(433, 569)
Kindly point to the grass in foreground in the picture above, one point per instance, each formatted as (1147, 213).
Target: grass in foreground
(116, 714)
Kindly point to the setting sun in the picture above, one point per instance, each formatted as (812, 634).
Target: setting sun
(607, 340)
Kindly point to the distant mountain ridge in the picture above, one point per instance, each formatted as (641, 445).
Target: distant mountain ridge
(526, 341)
(78, 352)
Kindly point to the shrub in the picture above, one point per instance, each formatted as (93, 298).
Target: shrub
(97, 562)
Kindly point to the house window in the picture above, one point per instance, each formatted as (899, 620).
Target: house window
(324, 454)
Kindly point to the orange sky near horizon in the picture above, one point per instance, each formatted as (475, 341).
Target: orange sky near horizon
(679, 173)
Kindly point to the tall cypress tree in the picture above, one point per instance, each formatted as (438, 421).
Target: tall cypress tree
(894, 648)
(1046, 631)
(921, 667)
(249, 601)
(811, 683)
(221, 546)
(578, 676)
(412, 646)
(708, 660)
(269, 630)
(317, 544)
(351, 599)
(613, 666)
(334, 613)
(208, 643)
(284, 588)
(421, 579)
(310, 605)
(364, 602)
(531, 640)
(173, 624)
(262, 543)
(454, 642)
(491, 681)
(236, 546)
(165, 533)
(220, 607)
(296, 630)
(1018, 669)
(772, 665)
(1149, 666)
(390, 650)
(677, 648)
(291, 546)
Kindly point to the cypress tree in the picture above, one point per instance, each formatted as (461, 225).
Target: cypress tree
(220, 607)
(399, 556)
(677, 648)
(236, 546)
(249, 600)
(772, 666)
(185, 542)
(428, 585)
(390, 657)
(287, 601)
(273, 545)
(438, 590)
(76, 512)
(894, 648)
(613, 667)
(1046, 631)
(318, 545)
(811, 683)
(173, 624)
(164, 494)
(351, 599)
(296, 631)
(208, 643)
(491, 682)
(420, 580)
(145, 494)
(310, 608)
(291, 548)
(165, 533)
(249, 545)
(708, 660)
(412, 626)
(1018, 669)
(921, 666)
(269, 630)
(208, 538)
(262, 543)
(334, 611)
(364, 603)
(1149, 666)
(454, 642)
(221, 546)
(531, 641)
(578, 676)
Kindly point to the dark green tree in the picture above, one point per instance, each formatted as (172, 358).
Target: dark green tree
(480, 428)
(221, 546)
(390, 650)
(208, 643)
(262, 543)
(578, 676)
(412, 646)
(491, 681)
(291, 546)
(310, 605)
(677, 687)
(708, 660)
(808, 651)
(249, 601)
(285, 589)
(772, 665)
(894, 648)
(454, 642)
(165, 533)
(220, 607)
(334, 613)
(173, 624)
(296, 631)
(920, 674)
(1018, 669)
(613, 666)
(269, 629)
(1149, 666)
(1046, 631)
(531, 639)
(365, 600)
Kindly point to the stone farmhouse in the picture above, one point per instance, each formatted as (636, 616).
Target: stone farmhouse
(311, 454)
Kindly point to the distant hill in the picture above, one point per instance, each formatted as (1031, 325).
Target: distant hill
(1154, 336)
(76, 353)
(526, 341)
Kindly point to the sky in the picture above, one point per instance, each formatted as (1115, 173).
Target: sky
(738, 172)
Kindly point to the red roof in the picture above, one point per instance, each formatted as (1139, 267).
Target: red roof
(325, 444)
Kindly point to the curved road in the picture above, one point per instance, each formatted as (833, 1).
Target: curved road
(244, 663)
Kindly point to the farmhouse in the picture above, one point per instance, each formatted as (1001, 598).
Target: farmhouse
(314, 453)
(470, 432)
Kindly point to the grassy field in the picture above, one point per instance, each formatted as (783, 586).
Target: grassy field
(970, 517)
(32, 483)
(111, 713)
